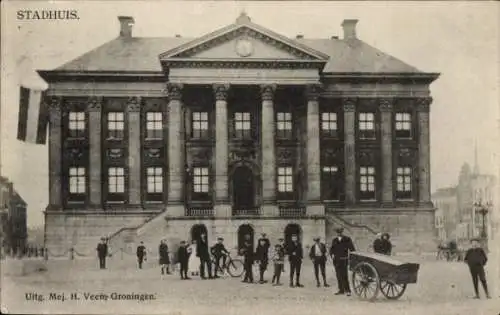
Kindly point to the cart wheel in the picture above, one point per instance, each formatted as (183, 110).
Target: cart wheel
(365, 281)
(235, 268)
(391, 290)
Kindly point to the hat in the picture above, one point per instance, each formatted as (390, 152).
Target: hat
(475, 239)
(281, 239)
(220, 238)
(316, 239)
(339, 230)
(103, 238)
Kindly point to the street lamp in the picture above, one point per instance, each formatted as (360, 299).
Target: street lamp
(483, 210)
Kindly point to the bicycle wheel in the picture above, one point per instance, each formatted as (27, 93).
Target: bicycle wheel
(235, 268)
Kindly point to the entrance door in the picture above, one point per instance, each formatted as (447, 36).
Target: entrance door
(243, 188)
(197, 230)
(290, 230)
(245, 229)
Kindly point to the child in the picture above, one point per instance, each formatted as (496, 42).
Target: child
(183, 258)
(164, 257)
(194, 262)
(279, 262)
(476, 259)
(141, 254)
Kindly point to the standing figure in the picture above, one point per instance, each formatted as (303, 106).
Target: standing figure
(203, 253)
(219, 251)
(279, 262)
(318, 257)
(141, 254)
(341, 245)
(248, 257)
(262, 255)
(102, 252)
(476, 259)
(163, 253)
(194, 261)
(377, 244)
(183, 259)
(386, 245)
(295, 256)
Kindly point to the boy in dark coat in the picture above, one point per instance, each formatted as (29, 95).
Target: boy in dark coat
(248, 257)
(183, 259)
(164, 257)
(295, 256)
(219, 252)
(318, 257)
(141, 254)
(262, 255)
(476, 259)
(279, 262)
(202, 251)
(102, 252)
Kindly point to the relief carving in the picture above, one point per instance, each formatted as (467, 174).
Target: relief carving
(267, 92)
(174, 91)
(385, 105)
(423, 104)
(95, 103)
(221, 91)
(349, 104)
(134, 104)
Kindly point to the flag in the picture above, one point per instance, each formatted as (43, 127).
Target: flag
(33, 116)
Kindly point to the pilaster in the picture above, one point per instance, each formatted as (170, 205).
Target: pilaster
(313, 149)
(349, 106)
(385, 106)
(267, 144)
(94, 109)
(134, 149)
(176, 181)
(221, 143)
(424, 187)
(55, 153)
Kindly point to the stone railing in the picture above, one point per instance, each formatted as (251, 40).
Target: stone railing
(246, 212)
(292, 212)
(200, 212)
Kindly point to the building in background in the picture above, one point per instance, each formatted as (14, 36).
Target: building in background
(13, 214)
(446, 216)
(239, 131)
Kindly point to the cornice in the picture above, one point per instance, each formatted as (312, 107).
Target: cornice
(382, 77)
(243, 64)
(101, 76)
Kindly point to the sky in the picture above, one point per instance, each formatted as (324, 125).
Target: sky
(457, 39)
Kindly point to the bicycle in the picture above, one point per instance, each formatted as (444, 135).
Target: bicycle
(234, 267)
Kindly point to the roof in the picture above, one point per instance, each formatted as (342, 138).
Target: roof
(140, 54)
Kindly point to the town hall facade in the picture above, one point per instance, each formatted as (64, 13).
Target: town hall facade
(240, 131)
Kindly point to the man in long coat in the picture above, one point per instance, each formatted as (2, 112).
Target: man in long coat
(202, 251)
(102, 252)
(341, 246)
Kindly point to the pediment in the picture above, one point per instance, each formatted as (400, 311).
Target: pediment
(244, 41)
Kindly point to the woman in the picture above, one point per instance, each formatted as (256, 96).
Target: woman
(386, 245)
(194, 262)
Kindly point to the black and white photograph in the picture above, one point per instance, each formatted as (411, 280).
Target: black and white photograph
(250, 157)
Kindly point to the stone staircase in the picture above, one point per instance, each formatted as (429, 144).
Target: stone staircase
(362, 235)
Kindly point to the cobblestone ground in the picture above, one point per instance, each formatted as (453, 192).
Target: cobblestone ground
(443, 288)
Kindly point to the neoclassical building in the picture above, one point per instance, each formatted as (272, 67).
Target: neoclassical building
(239, 131)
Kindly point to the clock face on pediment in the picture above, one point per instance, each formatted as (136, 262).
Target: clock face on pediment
(243, 47)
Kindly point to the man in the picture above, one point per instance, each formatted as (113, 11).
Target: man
(262, 255)
(476, 259)
(204, 255)
(377, 244)
(248, 257)
(318, 257)
(164, 257)
(102, 252)
(295, 256)
(341, 246)
(183, 259)
(141, 254)
(219, 251)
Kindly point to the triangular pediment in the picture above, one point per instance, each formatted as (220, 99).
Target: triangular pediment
(244, 40)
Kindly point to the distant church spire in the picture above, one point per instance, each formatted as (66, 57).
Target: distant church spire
(476, 165)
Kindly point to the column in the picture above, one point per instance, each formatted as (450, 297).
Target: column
(386, 146)
(424, 186)
(222, 208)
(313, 150)
(268, 150)
(175, 149)
(94, 110)
(134, 150)
(55, 152)
(349, 106)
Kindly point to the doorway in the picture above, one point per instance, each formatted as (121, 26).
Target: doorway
(243, 188)
(197, 230)
(245, 229)
(292, 229)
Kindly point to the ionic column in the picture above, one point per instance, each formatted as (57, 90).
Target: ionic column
(313, 150)
(424, 185)
(221, 143)
(134, 150)
(94, 109)
(267, 145)
(175, 145)
(55, 151)
(386, 145)
(349, 106)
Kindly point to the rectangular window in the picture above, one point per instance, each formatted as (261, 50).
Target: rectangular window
(329, 124)
(403, 180)
(330, 184)
(116, 184)
(367, 125)
(154, 125)
(154, 178)
(200, 125)
(285, 179)
(200, 180)
(403, 125)
(242, 126)
(284, 125)
(367, 182)
(116, 125)
(77, 180)
(76, 124)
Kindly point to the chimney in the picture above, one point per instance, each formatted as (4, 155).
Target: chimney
(299, 36)
(349, 29)
(126, 24)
